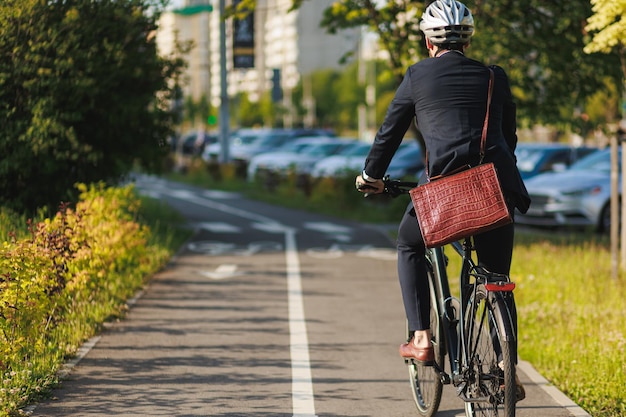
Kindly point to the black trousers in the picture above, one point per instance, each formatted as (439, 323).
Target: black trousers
(494, 249)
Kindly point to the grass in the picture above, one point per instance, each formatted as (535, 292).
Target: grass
(571, 318)
(571, 324)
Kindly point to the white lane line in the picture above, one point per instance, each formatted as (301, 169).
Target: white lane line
(192, 198)
(301, 379)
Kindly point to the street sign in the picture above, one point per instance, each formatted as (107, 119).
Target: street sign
(243, 40)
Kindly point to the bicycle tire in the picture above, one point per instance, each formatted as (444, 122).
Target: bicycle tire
(490, 372)
(426, 383)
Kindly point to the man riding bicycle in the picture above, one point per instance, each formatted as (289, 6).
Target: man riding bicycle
(446, 95)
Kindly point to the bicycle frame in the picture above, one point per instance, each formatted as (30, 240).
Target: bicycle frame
(455, 344)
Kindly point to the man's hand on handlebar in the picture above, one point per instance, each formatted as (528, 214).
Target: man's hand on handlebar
(375, 187)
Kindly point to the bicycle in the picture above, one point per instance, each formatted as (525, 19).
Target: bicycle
(475, 330)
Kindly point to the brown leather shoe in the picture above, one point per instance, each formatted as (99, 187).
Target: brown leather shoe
(424, 356)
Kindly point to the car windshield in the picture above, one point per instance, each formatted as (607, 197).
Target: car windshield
(598, 162)
(528, 158)
(272, 139)
(245, 139)
(294, 147)
(360, 149)
(322, 149)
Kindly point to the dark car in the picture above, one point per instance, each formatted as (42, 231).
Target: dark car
(193, 143)
(537, 158)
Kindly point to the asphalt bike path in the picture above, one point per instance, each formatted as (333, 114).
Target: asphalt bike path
(265, 312)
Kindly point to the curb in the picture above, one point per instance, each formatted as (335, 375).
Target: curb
(573, 408)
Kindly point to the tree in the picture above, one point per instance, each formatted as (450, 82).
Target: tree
(83, 95)
(609, 24)
(539, 43)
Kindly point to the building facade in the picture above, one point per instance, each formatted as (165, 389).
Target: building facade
(291, 42)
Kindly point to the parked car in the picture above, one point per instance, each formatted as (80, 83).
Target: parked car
(274, 139)
(537, 158)
(246, 143)
(578, 196)
(193, 143)
(238, 139)
(408, 161)
(348, 162)
(300, 155)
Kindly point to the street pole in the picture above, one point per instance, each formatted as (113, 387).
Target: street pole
(614, 209)
(224, 114)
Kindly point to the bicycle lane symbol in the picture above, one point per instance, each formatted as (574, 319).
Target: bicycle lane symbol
(338, 250)
(216, 248)
(226, 271)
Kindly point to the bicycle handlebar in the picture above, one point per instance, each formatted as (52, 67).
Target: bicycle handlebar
(394, 188)
(397, 187)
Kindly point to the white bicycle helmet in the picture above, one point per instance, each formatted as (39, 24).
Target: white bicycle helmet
(447, 22)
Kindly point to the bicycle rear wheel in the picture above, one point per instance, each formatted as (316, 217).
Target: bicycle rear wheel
(490, 385)
(426, 383)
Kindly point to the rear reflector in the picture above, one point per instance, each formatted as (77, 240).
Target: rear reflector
(500, 286)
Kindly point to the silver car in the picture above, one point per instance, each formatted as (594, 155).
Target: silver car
(578, 196)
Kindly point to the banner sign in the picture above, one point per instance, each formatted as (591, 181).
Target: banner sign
(243, 40)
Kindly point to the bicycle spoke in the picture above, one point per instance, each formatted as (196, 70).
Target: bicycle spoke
(490, 363)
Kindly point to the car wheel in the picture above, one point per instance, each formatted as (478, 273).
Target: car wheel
(604, 222)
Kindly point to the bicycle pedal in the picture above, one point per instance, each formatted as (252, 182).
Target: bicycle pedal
(412, 361)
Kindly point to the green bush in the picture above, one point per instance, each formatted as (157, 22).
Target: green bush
(61, 281)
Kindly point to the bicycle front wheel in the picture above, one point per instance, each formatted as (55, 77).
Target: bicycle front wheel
(490, 389)
(426, 383)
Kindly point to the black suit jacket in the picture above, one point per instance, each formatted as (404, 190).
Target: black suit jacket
(447, 98)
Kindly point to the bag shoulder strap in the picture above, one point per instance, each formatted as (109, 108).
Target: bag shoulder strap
(483, 139)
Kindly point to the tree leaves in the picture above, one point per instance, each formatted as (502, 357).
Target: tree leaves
(84, 95)
(538, 42)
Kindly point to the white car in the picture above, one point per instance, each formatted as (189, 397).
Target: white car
(299, 155)
(239, 140)
(246, 143)
(347, 163)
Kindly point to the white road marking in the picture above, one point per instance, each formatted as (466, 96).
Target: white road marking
(219, 227)
(270, 227)
(301, 379)
(326, 227)
(378, 253)
(223, 271)
(211, 247)
(342, 238)
(333, 252)
(220, 195)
